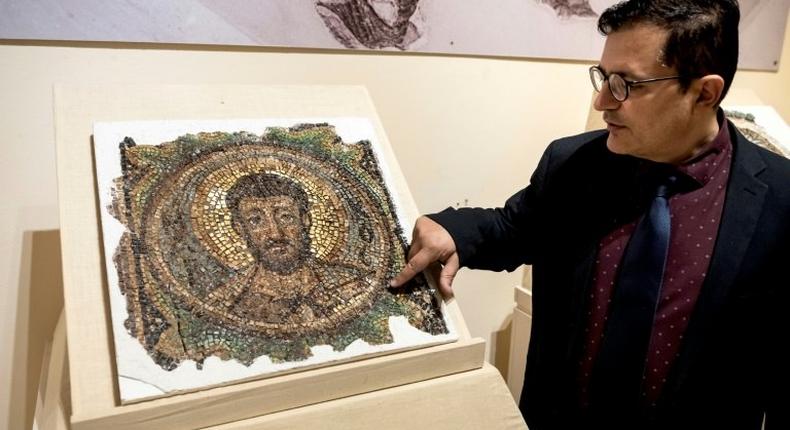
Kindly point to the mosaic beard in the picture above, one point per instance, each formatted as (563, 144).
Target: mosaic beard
(282, 256)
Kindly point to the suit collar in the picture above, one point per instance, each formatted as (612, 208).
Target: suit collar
(742, 209)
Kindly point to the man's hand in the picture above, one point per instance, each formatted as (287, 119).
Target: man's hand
(430, 243)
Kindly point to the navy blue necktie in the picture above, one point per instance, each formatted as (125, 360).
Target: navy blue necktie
(616, 384)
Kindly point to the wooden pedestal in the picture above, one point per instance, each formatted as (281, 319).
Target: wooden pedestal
(445, 386)
(519, 340)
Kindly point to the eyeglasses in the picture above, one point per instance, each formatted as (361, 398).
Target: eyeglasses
(618, 85)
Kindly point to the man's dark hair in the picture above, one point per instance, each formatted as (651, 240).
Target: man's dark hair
(265, 185)
(703, 34)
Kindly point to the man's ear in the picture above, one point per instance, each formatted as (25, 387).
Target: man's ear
(306, 219)
(709, 88)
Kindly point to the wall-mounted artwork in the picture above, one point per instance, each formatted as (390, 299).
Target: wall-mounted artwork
(242, 249)
(563, 29)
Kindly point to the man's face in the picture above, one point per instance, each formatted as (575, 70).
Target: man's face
(276, 230)
(652, 123)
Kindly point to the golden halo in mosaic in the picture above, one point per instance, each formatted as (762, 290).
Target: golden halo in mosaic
(212, 175)
(211, 218)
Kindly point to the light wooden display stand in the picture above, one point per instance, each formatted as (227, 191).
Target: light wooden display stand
(53, 397)
(441, 387)
(454, 402)
(519, 339)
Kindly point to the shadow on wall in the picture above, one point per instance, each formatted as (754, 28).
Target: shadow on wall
(39, 303)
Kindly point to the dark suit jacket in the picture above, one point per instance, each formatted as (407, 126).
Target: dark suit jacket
(733, 366)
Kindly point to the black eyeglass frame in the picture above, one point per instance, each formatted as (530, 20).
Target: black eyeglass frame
(628, 83)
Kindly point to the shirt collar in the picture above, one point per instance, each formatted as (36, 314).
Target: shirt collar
(702, 167)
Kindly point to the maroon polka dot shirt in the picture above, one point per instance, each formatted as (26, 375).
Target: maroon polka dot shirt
(695, 221)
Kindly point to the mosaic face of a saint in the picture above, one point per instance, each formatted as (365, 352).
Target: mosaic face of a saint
(276, 230)
(270, 213)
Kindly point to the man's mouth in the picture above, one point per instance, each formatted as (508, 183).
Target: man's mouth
(612, 125)
(278, 247)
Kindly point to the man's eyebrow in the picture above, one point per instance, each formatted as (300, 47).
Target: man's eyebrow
(623, 73)
(282, 205)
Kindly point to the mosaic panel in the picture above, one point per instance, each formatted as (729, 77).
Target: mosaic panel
(240, 246)
(747, 125)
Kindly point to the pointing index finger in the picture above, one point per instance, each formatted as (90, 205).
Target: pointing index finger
(415, 265)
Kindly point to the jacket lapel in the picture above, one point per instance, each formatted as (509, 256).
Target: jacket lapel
(742, 208)
(617, 206)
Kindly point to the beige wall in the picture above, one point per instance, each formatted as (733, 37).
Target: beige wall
(465, 131)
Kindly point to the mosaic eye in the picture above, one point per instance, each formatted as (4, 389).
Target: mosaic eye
(286, 217)
(254, 220)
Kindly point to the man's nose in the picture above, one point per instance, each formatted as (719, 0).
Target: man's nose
(279, 229)
(604, 100)
(271, 229)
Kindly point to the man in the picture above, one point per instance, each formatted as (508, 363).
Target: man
(658, 245)
(271, 213)
(287, 285)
